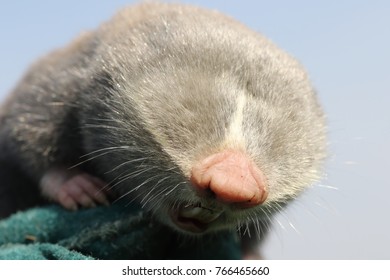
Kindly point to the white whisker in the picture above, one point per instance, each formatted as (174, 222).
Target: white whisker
(167, 193)
(152, 189)
(105, 149)
(126, 162)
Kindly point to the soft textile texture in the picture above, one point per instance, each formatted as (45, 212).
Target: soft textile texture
(114, 232)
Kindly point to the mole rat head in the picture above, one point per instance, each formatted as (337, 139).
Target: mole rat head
(218, 137)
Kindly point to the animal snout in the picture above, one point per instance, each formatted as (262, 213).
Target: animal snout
(232, 177)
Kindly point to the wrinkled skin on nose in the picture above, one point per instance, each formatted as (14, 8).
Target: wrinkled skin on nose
(232, 177)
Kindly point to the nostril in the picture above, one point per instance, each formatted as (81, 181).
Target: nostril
(231, 177)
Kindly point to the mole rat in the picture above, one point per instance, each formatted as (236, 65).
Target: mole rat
(203, 122)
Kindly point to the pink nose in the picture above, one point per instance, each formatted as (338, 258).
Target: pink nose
(232, 177)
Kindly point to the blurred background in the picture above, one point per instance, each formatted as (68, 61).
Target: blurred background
(344, 45)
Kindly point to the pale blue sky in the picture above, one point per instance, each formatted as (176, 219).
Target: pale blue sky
(345, 46)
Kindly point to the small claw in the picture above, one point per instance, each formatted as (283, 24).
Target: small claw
(67, 201)
(94, 186)
(72, 189)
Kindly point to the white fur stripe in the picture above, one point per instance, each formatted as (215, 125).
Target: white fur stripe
(235, 132)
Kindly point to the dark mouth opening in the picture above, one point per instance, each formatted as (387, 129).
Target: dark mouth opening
(191, 224)
(194, 218)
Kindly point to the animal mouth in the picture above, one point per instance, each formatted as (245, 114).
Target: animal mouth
(194, 218)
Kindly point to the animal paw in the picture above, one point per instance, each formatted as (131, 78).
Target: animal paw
(73, 189)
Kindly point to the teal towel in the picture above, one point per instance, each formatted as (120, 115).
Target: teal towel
(114, 232)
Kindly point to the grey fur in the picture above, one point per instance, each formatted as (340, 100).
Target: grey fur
(152, 91)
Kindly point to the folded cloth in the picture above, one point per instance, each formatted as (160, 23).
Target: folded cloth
(114, 232)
